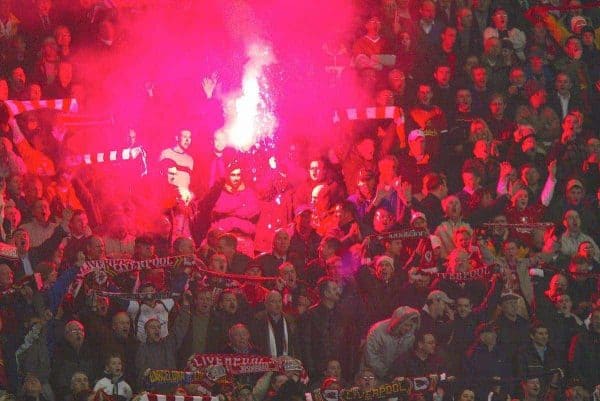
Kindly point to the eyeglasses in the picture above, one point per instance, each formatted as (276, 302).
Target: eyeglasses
(368, 377)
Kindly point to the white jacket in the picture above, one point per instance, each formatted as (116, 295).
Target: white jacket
(119, 389)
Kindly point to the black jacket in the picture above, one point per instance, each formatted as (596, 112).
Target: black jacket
(321, 338)
(584, 359)
(259, 327)
(66, 361)
(529, 363)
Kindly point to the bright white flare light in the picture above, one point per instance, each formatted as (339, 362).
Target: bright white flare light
(248, 114)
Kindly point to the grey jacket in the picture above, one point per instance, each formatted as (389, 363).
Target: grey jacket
(382, 348)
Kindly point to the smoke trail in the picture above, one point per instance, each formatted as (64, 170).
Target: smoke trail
(249, 113)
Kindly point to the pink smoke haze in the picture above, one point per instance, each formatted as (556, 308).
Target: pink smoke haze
(168, 51)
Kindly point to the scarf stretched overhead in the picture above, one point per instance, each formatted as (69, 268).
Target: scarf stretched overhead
(137, 296)
(236, 277)
(409, 233)
(21, 106)
(375, 113)
(111, 157)
(113, 267)
(239, 364)
(476, 274)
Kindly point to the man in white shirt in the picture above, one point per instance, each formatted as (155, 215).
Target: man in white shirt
(142, 312)
(178, 164)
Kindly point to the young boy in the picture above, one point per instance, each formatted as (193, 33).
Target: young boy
(112, 383)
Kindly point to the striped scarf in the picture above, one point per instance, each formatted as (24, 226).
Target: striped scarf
(375, 113)
(162, 397)
(16, 107)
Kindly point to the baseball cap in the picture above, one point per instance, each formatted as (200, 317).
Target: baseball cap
(440, 296)
(417, 215)
(415, 134)
(573, 183)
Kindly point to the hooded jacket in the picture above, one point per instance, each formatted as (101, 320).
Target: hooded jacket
(383, 348)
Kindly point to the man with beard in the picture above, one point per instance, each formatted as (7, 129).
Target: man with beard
(237, 209)
(177, 163)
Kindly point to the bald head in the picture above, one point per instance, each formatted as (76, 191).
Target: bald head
(274, 303)
(121, 324)
(239, 337)
(183, 246)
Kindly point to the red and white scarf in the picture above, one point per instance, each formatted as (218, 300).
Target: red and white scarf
(21, 106)
(162, 397)
(375, 113)
(240, 364)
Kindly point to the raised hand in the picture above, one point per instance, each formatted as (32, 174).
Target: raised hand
(505, 169)
(552, 169)
(209, 84)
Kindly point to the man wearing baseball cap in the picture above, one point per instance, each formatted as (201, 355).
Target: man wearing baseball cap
(417, 163)
(437, 315)
(574, 199)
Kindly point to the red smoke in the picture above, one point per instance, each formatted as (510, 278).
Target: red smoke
(171, 49)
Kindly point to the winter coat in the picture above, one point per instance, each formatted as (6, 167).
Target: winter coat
(584, 359)
(382, 348)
